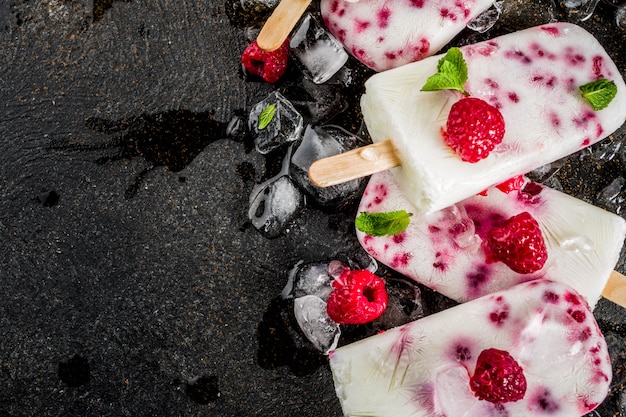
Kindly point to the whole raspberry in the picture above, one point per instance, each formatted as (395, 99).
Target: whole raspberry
(268, 65)
(473, 129)
(358, 297)
(498, 377)
(518, 243)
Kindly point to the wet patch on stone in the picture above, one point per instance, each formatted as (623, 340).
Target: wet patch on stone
(75, 372)
(204, 389)
(171, 139)
(101, 6)
(48, 198)
(281, 343)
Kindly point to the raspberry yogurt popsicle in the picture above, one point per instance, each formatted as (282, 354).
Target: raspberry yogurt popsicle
(497, 239)
(534, 349)
(531, 77)
(385, 34)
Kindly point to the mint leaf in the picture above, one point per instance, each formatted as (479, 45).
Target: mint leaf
(266, 116)
(599, 93)
(451, 73)
(383, 224)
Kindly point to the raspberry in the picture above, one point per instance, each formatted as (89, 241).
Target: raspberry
(268, 65)
(518, 243)
(498, 377)
(358, 297)
(473, 129)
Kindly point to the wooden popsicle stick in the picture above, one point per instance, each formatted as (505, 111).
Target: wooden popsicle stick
(615, 289)
(281, 23)
(353, 164)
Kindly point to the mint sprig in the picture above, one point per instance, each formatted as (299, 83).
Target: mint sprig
(451, 73)
(599, 93)
(383, 224)
(266, 116)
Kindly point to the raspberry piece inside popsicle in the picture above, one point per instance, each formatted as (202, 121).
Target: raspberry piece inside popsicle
(519, 243)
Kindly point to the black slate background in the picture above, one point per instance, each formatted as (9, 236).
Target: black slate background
(131, 282)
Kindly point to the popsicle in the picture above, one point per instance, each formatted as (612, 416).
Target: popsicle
(534, 349)
(385, 34)
(532, 77)
(450, 250)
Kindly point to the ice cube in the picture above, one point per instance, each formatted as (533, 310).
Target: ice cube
(485, 21)
(578, 10)
(543, 173)
(310, 279)
(276, 202)
(612, 197)
(321, 142)
(620, 16)
(455, 221)
(554, 183)
(275, 121)
(321, 330)
(607, 149)
(310, 285)
(316, 52)
(317, 103)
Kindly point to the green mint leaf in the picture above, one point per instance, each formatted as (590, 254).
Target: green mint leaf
(451, 73)
(599, 93)
(383, 224)
(266, 116)
(454, 57)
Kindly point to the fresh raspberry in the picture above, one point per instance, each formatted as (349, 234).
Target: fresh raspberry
(358, 297)
(473, 129)
(268, 65)
(518, 243)
(498, 377)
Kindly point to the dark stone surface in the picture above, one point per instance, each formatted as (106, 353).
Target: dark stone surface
(131, 280)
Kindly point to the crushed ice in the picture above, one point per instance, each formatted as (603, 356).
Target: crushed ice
(318, 143)
(278, 130)
(485, 21)
(315, 51)
(275, 202)
(578, 10)
(620, 21)
(310, 284)
(612, 197)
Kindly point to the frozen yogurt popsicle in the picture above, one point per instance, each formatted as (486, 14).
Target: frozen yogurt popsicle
(448, 250)
(532, 77)
(436, 366)
(385, 34)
